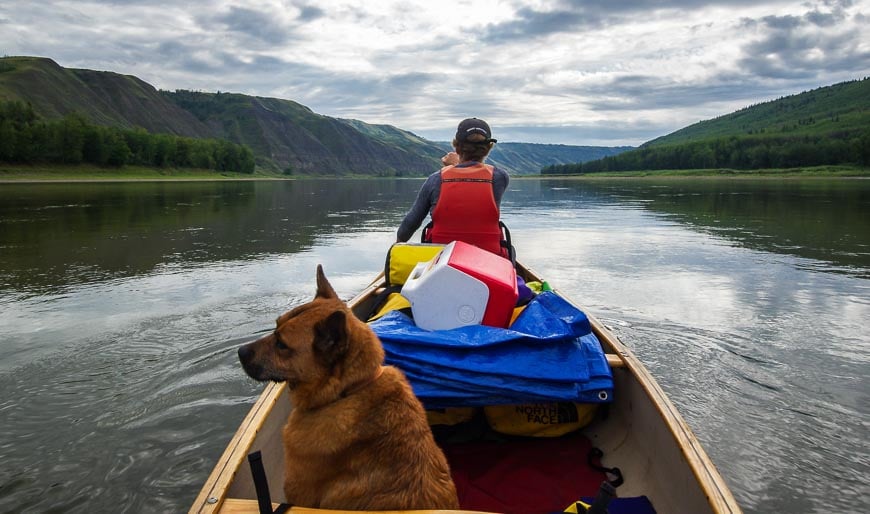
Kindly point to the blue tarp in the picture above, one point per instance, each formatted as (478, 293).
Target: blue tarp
(548, 354)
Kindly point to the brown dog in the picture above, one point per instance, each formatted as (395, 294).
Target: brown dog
(357, 437)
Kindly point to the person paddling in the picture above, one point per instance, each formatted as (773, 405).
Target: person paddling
(464, 197)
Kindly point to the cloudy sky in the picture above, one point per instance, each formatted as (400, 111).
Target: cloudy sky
(598, 72)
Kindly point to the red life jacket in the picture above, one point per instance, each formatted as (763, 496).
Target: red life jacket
(466, 210)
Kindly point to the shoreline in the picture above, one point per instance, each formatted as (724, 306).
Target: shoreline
(10, 174)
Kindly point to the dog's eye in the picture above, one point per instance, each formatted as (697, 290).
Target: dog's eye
(279, 344)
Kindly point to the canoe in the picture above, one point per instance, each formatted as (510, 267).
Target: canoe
(643, 434)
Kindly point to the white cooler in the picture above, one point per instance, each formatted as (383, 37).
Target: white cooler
(462, 285)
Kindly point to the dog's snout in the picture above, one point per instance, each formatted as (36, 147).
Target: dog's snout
(245, 352)
(248, 358)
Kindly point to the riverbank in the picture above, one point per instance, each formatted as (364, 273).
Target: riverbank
(87, 173)
(816, 171)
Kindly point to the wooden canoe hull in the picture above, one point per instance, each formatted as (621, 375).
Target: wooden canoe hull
(644, 435)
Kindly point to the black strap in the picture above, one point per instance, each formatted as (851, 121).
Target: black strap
(261, 485)
(424, 236)
(506, 242)
(594, 461)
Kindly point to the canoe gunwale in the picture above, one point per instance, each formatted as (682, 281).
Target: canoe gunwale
(214, 492)
(211, 497)
(718, 494)
(719, 497)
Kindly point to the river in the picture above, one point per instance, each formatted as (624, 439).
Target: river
(122, 305)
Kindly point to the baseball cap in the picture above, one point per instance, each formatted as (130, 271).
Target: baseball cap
(471, 126)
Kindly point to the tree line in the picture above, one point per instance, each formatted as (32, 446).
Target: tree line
(745, 153)
(28, 139)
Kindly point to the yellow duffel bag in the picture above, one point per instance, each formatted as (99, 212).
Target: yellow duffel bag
(394, 302)
(401, 260)
(403, 257)
(546, 419)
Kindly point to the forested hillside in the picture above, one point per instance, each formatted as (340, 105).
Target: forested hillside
(840, 108)
(825, 126)
(283, 136)
(297, 140)
(105, 98)
(26, 138)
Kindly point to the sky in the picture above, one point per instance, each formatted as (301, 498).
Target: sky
(598, 72)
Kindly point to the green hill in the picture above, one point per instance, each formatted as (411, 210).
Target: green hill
(294, 139)
(826, 126)
(284, 136)
(103, 97)
(840, 108)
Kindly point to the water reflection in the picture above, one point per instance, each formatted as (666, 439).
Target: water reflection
(55, 235)
(819, 219)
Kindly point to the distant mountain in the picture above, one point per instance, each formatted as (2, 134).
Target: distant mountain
(529, 158)
(524, 158)
(285, 137)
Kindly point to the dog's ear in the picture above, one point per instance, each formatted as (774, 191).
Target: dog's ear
(324, 289)
(330, 338)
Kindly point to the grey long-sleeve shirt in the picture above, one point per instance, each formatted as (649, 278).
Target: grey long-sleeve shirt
(428, 195)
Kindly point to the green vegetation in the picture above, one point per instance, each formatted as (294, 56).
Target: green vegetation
(809, 172)
(286, 135)
(72, 140)
(840, 108)
(91, 172)
(743, 153)
(826, 126)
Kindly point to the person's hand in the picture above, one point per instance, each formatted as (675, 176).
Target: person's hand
(451, 159)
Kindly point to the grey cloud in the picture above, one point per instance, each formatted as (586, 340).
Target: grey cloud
(408, 84)
(180, 55)
(578, 15)
(347, 91)
(254, 24)
(802, 47)
(219, 64)
(609, 134)
(310, 13)
(168, 49)
(476, 106)
(815, 17)
(824, 19)
(780, 22)
(531, 23)
(638, 92)
(325, 91)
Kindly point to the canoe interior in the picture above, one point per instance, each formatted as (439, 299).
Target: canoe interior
(642, 434)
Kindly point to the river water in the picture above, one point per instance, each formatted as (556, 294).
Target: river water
(122, 305)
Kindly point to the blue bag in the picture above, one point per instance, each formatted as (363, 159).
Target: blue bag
(548, 354)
